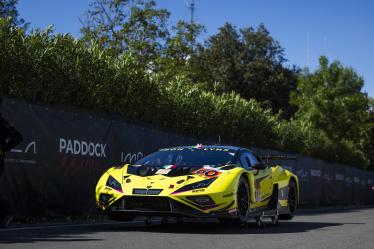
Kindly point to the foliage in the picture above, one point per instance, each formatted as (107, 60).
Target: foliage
(43, 67)
(8, 10)
(175, 59)
(127, 25)
(369, 139)
(58, 69)
(331, 100)
(201, 113)
(249, 62)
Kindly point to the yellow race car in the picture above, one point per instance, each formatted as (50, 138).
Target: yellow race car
(225, 182)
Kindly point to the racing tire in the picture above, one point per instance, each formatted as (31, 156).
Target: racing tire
(242, 198)
(291, 203)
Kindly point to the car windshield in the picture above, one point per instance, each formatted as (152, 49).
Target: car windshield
(189, 157)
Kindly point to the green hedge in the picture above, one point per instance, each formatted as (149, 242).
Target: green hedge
(58, 69)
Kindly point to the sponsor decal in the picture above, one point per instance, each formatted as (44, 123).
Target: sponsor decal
(163, 171)
(258, 187)
(172, 149)
(207, 171)
(198, 190)
(327, 177)
(339, 177)
(170, 166)
(22, 154)
(232, 210)
(140, 191)
(131, 157)
(83, 148)
(283, 193)
(356, 179)
(195, 148)
(257, 195)
(302, 174)
(70, 163)
(29, 148)
(315, 172)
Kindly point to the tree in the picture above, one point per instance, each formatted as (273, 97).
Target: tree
(369, 141)
(249, 62)
(179, 49)
(330, 99)
(265, 77)
(120, 26)
(8, 9)
(218, 61)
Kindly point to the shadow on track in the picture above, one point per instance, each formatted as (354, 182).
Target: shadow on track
(90, 233)
(216, 228)
(55, 235)
(332, 210)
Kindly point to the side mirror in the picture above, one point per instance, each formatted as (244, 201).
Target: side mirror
(259, 165)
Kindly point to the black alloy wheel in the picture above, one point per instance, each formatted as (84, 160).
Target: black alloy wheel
(292, 197)
(243, 199)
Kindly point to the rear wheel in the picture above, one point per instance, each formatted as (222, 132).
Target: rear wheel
(292, 201)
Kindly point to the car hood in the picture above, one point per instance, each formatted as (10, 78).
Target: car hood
(158, 181)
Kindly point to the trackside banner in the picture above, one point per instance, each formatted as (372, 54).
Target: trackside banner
(55, 169)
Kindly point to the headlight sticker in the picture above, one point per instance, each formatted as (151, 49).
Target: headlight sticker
(114, 184)
(197, 185)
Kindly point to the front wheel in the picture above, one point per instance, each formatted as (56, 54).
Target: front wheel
(242, 202)
(242, 198)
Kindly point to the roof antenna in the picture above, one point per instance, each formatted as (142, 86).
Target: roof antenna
(219, 139)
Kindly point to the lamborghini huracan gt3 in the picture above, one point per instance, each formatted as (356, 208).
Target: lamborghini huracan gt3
(225, 182)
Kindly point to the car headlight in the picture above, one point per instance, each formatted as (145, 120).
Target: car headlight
(114, 184)
(196, 185)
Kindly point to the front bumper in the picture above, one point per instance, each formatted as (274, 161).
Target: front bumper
(160, 206)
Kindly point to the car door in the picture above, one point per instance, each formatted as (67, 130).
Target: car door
(263, 179)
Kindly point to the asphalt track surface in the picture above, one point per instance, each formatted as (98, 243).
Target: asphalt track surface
(338, 229)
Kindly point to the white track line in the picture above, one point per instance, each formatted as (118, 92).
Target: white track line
(66, 225)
